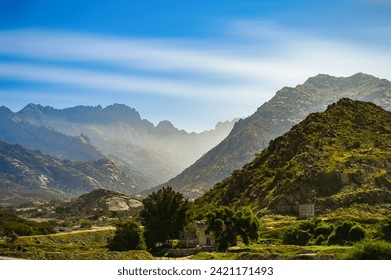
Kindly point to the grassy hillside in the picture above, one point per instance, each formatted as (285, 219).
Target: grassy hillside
(334, 159)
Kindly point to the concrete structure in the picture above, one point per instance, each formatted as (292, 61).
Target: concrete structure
(306, 210)
(197, 238)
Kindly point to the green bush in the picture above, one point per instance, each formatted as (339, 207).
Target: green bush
(305, 231)
(370, 250)
(128, 236)
(323, 229)
(85, 224)
(347, 233)
(320, 239)
(386, 229)
(11, 223)
(296, 236)
(357, 233)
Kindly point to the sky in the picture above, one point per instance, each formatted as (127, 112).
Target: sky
(193, 62)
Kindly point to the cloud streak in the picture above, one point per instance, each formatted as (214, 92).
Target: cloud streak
(247, 68)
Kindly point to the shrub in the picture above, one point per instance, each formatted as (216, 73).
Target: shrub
(10, 223)
(303, 232)
(320, 240)
(85, 224)
(128, 236)
(323, 229)
(386, 229)
(347, 233)
(357, 233)
(296, 236)
(370, 250)
(11, 238)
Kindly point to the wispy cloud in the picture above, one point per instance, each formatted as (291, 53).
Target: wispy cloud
(254, 61)
(120, 82)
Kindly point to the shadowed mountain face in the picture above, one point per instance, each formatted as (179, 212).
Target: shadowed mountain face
(275, 117)
(27, 175)
(334, 159)
(152, 154)
(14, 130)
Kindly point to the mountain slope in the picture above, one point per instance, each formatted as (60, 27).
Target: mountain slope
(275, 117)
(159, 152)
(335, 159)
(26, 175)
(14, 130)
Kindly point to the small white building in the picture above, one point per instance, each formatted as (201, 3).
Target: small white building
(197, 238)
(306, 210)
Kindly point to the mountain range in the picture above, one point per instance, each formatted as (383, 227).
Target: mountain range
(288, 107)
(148, 154)
(334, 159)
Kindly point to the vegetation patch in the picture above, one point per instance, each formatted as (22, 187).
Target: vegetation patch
(89, 245)
(369, 250)
(13, 225)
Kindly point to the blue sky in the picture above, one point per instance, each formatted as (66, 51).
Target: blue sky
(191, 62)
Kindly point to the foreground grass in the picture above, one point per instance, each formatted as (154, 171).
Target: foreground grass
(88, 245)
(276, 252)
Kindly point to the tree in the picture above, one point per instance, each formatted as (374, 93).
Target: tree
(128, 236)
(227, 225)
(163, 216)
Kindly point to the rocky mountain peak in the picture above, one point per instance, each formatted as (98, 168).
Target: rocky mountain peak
(166, 127)
(121, 112)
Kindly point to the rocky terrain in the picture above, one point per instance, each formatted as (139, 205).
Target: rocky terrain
(334, 159)
(103, 200)
(14, 130)
(288, 107)
(27, 175)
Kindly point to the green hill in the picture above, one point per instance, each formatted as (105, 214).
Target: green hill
(333, 159)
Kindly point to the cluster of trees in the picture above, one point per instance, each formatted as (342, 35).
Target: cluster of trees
(165, 215)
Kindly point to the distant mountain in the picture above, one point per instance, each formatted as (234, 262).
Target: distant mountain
(334, 159)
(275, 117)
(27, 175)
(14, 130)
(159, 153)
